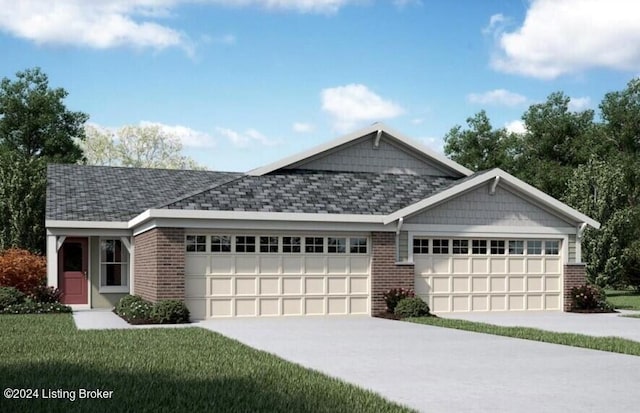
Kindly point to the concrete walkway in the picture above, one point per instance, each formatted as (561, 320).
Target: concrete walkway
(599, 325)
(443, 370)
(99, 319)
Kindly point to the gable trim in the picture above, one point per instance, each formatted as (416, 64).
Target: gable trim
(544, 199)
(375, 128)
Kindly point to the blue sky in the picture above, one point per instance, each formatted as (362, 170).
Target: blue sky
(246, 82)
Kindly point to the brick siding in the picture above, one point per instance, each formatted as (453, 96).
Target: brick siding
(574, 276)
(385, 273)
(159, 264)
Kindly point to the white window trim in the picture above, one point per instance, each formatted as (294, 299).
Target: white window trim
(114, 288)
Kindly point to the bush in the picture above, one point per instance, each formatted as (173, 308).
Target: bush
(22, 269)
(10, 296)
(32, 307)
(393, 296)
(411, 307)
(170, 312)
(44, 294)
(589, 297)
(134, 308)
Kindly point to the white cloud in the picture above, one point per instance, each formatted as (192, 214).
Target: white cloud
(561, 37)
(103, 24)
(496, 21)
(516, 126)
(417, 121)
(433, 143)
(301, 127)
(226, 39)
(497, 97)
(579, 104)
(354, 104)
(188, 137)
(248, 138)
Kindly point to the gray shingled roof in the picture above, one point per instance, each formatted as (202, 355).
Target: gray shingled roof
(101, 193)
(317, 192)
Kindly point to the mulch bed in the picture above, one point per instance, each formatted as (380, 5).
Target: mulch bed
(593, 311)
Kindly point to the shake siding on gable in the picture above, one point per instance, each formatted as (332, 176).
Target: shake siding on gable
(362, 156)
(478, 207)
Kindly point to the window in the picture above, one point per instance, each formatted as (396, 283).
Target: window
(196, 243)
(220, 243)
(479, 246)
(114, 265)
(314, 245)
(358, 245)
(516, 247)
(497, 247)
(245, 244)
(460, 246)
(290, 244)
(551, 247)
(268, 244)
(440, 246)
(534, 247)
(420, 246)
(337, 245)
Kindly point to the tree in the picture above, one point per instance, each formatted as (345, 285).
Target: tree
(145, 146)
(35, 128)
(34, 121)
(481, 146)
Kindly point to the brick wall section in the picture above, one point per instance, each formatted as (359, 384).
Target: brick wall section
(574, 276)
(159, 264)
(385, 274)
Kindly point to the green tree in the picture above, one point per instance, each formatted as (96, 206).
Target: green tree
(145, 146)
(35, 128)
(480, 146)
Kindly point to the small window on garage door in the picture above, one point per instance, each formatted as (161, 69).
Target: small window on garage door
(420, 246)
(220, 243)
(245, 244)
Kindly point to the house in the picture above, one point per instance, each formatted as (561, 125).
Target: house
(326, 231)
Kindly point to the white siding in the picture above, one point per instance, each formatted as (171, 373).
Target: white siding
(404, 246)
(572, 249)
(478, 207)
(361, 156)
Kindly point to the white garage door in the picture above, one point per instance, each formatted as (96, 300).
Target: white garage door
(275, 275)
(488, 274)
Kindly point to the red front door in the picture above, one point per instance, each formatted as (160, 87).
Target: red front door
(72, 271)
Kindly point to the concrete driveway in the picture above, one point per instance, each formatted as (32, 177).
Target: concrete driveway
(599, 325)
(435, 369)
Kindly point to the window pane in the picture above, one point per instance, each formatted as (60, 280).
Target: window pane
(314, 245)
(72, 256)
(358, 245)
(516, 247)
(534, 247)
(220, 243)
(551, 247)
(337, 245)
(193, 243)
(460, 246)
(440, 246)
(420, 246)
(268, 244)
(479, 246)
(497, 247)
(291, 244)
(245, 244)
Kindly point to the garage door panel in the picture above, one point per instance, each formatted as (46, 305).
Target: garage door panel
(516, 302)
(440, 265)
(315, 265)
(423, 266)
(440, 285)
(480, 265)
(358, 305)
(197, 307)
(221, 265)
(314, 285)
(245, 307)
(221, 307)
(292, 306)
(358, 285)
(440, 303)
(337, 265)
(460, 265)
(246, 264)
(498, 284)
(422, 286)
(460, 303)
(498, 265)
(552, 266)
(292, 285)
(479, 303)
(291, 265)
(196, 287)
(196, 265)
(516, 266)
(220, 286)
(534, 283)
(269, 285)
(516, 284)
(552, 301)
(337, 305)
(359, 265)
(246, 286)
(314, 306)
(461, 285)
(269, 307)
(552, 283)
(535, 266)
(337, 285)
(534, 302)
(480, 284)
(498, 302)
(269, 265)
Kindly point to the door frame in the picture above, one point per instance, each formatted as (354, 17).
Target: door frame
(87, 240)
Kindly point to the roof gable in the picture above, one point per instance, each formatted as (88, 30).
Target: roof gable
(375, 149)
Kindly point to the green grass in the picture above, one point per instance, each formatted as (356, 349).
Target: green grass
(624, 299)
(161, 370)
(612, 344)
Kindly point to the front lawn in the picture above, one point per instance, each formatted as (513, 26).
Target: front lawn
(612, 344)
(160, 370)
(624, 299)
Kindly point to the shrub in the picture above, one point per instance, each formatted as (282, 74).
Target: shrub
(412, 307)
(32, 307)
(589, 297)
(44, 294)
(10, 296)
(393, 296)
(134, 308)
(170, 312)
(22, 269)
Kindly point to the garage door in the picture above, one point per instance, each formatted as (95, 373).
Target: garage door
(276, 275)
(488, 274)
